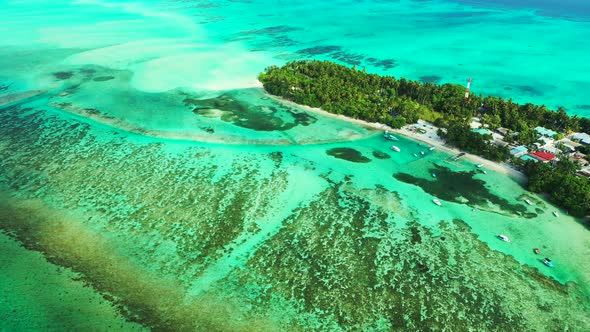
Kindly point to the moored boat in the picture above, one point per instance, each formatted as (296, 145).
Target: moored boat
(547, 262)
(433, 175)
(503, 238)
(395, 148)
(390, 137)
(555, 213)
(537, 251)
(437, 202)
(528, 202)
(432, 148)
(479, 165)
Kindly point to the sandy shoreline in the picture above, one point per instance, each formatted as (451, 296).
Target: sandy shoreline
(430, 138)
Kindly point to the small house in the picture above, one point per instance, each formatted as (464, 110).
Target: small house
(543, 156)
(581, 137)
(551, 149)
(519, 151)
(545, 132)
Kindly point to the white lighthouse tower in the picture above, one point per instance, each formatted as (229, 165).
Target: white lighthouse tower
(468, 87)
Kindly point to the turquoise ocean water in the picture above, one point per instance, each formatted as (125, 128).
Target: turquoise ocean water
(147, 175)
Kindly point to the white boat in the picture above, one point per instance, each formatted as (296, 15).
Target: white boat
(437, 202)
(432, 148)
(390, 137)
(421, 152)
(415, 155)
(547, 262)
(528, 202)
(484, 171)
(395, 148)
(503, 238)
(555, 213)
(479, 165)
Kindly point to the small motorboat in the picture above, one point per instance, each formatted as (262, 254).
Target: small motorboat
(432, 148)
(547, 262)
(395, 148)
(484, 171)
(422, 152)
(479, 165)
(437, 202)
(555, 213)
(528, 202)
(433, 175)
(415, 155)
(503, 238)
(537, 251)
(390, 137)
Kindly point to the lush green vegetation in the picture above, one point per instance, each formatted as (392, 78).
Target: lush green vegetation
(395, 102)
(563, 186)
(461, 136)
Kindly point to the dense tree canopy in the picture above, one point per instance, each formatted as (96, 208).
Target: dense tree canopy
(461, 136)
(563, 186)
(343, 90)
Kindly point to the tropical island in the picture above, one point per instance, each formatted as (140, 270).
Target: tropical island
(400, 102)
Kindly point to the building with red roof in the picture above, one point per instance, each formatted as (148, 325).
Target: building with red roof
(542, 156)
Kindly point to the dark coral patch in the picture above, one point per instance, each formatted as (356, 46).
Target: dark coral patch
(103, 78)
(384, 64)
(530, 90)
(317, 50)
(459, 187)
(63, 75)
(380, 155)
(271, 31)
(348, 154)
(260, 118)
(348, 58)
(430, 79)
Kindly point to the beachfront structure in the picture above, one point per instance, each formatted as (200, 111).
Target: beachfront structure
(545, 132)
(584, 172)
(482, 131)
(580, 160)
(569, 146)
(581, 137)
(527, 157)
(543, 156)
(519, 151)
(546, 140)
(502, 131)
(475, 123)
(551, 149)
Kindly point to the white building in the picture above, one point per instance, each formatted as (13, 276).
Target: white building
(581, 137)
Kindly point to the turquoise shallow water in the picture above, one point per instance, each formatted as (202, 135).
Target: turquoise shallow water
(508, 49)
(154, 169)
